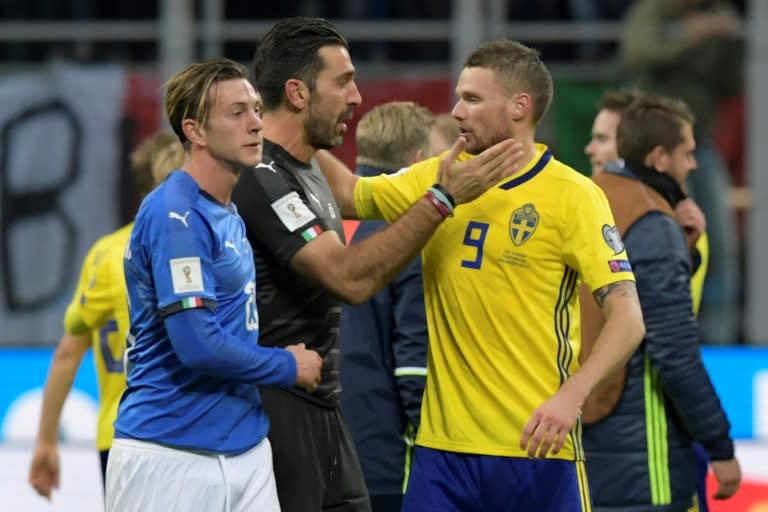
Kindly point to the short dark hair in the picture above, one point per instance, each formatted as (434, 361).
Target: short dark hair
(290, 50)
(618, 100)
(518, 69)
(651, 121)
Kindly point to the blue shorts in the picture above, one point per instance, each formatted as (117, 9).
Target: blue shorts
(461, 482)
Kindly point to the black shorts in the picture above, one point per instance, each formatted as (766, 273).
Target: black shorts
(316, 465)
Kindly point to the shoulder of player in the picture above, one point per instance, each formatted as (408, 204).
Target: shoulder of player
(106, 243)
(565, 172)
(108, 249)
(659, 234)
(568, 180)
(118, 243)
(179, 192)
(121, 235)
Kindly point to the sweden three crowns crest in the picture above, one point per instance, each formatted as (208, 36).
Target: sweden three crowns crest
(523, 223)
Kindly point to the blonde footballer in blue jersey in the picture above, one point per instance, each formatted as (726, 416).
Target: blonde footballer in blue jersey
(500, 417)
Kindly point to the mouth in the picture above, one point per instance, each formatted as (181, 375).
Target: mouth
(344, 119)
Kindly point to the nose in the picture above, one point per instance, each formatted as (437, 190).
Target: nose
(257, 123)
(354, 95)
(458, 111)
(589, 148)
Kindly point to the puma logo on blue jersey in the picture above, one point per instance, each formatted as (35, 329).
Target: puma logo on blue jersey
(180, 218)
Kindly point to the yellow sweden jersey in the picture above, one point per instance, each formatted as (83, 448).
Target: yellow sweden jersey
(100, 302)
(500, 285)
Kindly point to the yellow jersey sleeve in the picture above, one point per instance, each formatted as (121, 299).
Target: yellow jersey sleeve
(388, 196)
(592, 243)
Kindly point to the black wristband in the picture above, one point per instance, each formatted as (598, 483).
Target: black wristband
(445, 193)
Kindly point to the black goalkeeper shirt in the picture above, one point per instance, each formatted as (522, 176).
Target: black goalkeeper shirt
(285, 204)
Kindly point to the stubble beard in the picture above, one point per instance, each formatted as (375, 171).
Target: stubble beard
(321, 133)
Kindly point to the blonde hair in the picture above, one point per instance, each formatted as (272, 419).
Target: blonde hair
(517, 69)
(447, 128)
(143, 159)
(167, 159)
(188, 91)
(390, 134)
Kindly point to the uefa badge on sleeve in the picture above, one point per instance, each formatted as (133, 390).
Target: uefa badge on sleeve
(613, 238)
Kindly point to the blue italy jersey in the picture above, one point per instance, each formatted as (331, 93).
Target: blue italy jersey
(189, 251)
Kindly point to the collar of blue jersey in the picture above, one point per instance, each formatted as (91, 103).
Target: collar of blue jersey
(537, 164)
(661, 182)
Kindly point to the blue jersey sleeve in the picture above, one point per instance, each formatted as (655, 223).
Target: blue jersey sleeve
(182, 266)
(200, 343)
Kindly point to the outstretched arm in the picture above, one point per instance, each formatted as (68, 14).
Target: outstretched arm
(355, 273)
(44, 468)
(341, 180)
(621, 334)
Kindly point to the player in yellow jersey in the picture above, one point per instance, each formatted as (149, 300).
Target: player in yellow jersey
(97, 318)
(500, 426)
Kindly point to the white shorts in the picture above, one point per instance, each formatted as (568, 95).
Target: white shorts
(146, 477)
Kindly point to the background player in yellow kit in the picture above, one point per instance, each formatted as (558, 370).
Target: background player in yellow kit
(97, 318)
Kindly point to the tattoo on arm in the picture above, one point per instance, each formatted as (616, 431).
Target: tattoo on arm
(620, 288)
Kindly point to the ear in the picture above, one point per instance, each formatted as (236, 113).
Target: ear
(418, 156)
(296, 93)
(658, 159)
(520, 105)
(193, 131)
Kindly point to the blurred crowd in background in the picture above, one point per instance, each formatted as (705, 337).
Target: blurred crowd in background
(338, 10)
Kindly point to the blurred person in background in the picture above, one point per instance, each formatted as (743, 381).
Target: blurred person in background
(639, 427)
(596, 11)
(602, 150)
(384, 340)
(500, 426)
(445, 131)
(304, 73)
(190, 432)
(97, 318)
(690, 49)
